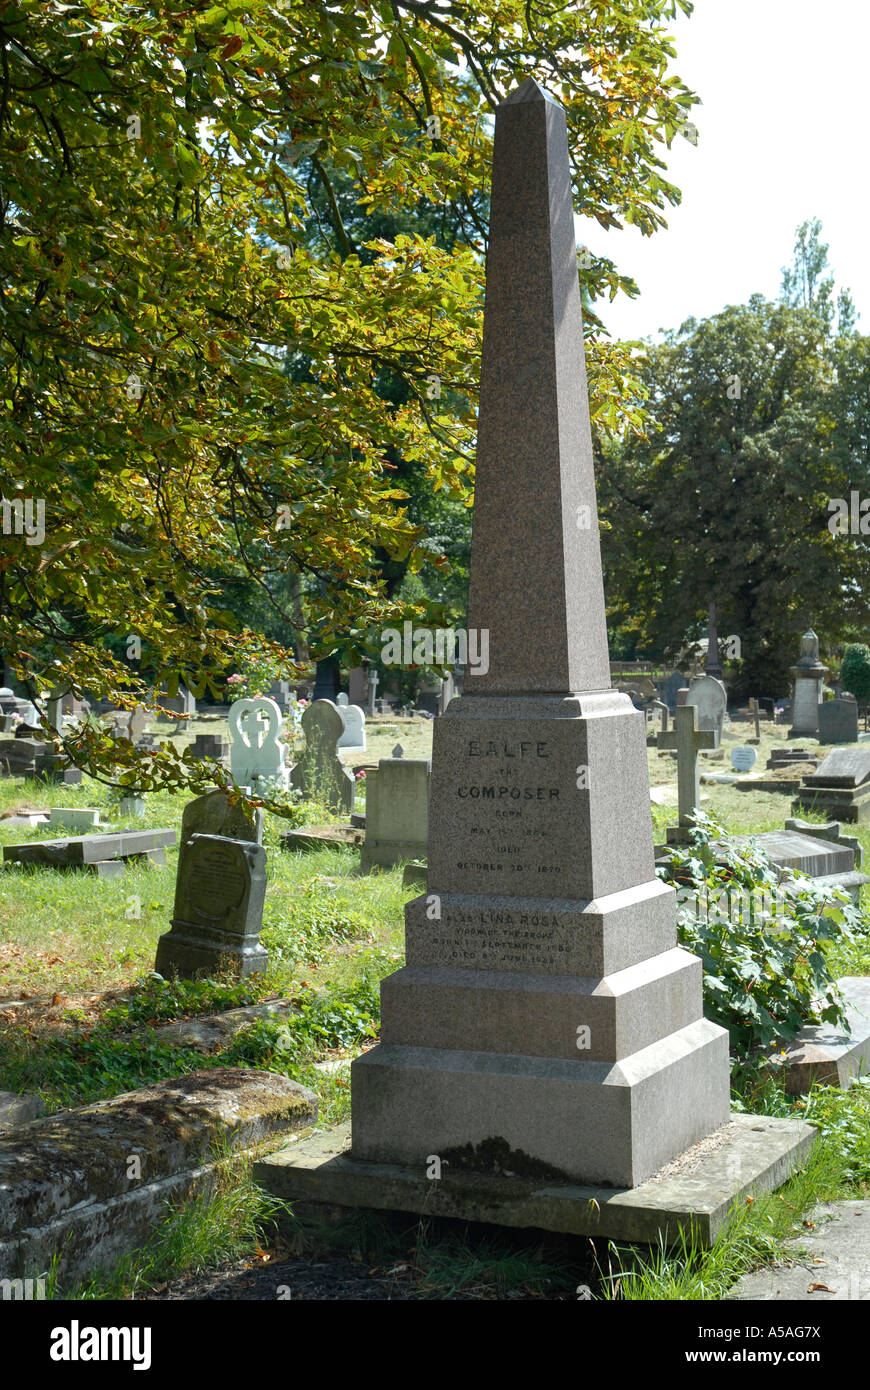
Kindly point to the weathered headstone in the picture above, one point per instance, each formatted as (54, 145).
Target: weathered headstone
(709, 697)
(397, 812)
(508, 1041)
(341, 700)
(838, 721)
(373, 689)
(79, 818)
(354, 733)
(214, 814)
(808, 675)
(320, 773)
(257, 753)
(220, 889)
(105, 855)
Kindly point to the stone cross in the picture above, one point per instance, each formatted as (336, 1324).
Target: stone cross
(688, 741)
(373, 687)
(754, 711)
(257, 755)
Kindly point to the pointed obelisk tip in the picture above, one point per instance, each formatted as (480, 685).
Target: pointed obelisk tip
(530, 90)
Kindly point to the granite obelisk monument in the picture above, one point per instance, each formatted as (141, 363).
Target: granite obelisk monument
(546, 1024)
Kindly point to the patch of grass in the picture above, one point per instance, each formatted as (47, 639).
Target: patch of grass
(228, 1223)
(838, 1167)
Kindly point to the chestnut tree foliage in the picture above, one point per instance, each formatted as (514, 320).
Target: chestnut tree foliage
(192, 384)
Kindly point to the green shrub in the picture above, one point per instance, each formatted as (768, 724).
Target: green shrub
(855, 671)
(761, 938)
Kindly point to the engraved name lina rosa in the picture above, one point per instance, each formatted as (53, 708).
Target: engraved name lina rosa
(492, 748)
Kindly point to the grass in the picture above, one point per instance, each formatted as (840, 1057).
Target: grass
(79, 1009)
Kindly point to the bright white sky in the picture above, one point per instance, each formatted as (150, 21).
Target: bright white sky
(782, 136)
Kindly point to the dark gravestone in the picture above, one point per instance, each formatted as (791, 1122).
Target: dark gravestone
(838, 721)
(219, 894)
(210, 746)
(327, 683)
(212, 814)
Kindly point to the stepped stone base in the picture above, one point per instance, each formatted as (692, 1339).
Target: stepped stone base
(579, 1121)
(748, 1155)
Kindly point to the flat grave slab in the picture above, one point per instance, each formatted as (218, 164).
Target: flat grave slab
(843, 767)
(788, 849)
(81, 851)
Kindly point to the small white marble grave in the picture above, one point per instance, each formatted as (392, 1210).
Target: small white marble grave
(257, 755)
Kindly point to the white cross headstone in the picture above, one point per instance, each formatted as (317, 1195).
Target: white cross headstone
(688, 741)
(257, 755)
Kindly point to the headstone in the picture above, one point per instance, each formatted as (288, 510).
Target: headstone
(688, 740)
(840, 788)
(398, 751)
(279, 691)
(682, 696)
(507, 1042)
(210, 746)
(743, 759)
(660, 707)
(397, 813)
(341, 700)
(808, 675)
(709, 697)
(25, 756)
(755, 711)
(357, 686)
(214, 814)
(327, 679)
(320, 773)
(354, 734)
(838, 721)
(220, 889)
(131, 806)
(675, 681)
(257, 753)
(181, 704)
(373, 686)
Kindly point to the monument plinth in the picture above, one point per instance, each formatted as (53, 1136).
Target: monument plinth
(546, 1023)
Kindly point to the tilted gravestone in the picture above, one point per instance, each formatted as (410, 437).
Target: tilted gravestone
(219, 894)
(320, 773)
(397, 812)
(214, 814)
(257, 753)
(838, 721)
(509, 1042)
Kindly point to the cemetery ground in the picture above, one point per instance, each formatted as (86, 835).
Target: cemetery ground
(80, 1020)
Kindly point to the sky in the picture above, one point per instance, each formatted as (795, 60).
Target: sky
(782, 137)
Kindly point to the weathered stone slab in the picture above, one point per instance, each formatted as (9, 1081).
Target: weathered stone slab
(209, 1032)
(827, 1056)
(322, 837)
(16, 1110)
(790, 850)
(77, 817)
(88, 849)
(749, 1155)
(66, 1186)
